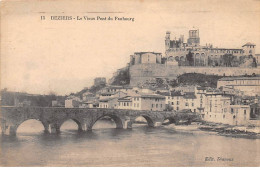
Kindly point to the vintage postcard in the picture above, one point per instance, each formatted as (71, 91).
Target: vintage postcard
(120, 83)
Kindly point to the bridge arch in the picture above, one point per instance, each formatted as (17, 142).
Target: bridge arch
(44, 124)
(13, 129)
(171, 120)
(148, 119)
(77, 121)
(118, 121)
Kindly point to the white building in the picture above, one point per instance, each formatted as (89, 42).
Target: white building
(249, 85)
(142, 101)
(71, 103)
(182, 101)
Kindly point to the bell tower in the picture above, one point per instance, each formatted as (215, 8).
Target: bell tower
(167, 40)
(194, 38)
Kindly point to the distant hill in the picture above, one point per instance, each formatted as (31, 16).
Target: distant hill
(8, 98)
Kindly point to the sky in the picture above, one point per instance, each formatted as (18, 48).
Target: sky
(64, 56)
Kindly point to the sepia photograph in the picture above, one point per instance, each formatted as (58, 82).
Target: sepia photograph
(130, 83)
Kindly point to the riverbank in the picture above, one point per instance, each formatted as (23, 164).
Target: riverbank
(232, 131)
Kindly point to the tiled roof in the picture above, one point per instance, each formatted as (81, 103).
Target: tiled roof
(189, 95)
(152, 96)
(126, 99)
(176, 93)
(107, 93)
(201, 88)
(164, 93)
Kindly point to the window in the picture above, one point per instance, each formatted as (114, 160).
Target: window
(177, 102)
(172, 103)
(134, 104)
(186, 104)
(127, 104)
(192, 104)
(232, 110)
(224, 116)
(119, 103)
(244, 112)
(177, 108)
(161, 105)
(156, 105)
(152, 105)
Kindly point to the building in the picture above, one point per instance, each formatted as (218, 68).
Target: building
(57, 103)
(99, 81)
(248, 85)
(125, 103)
(185, 88)
(88, 104)
(174, 99)
(177, 100)
(142, 101)
(71, 103)
(146, 101)
(224, 108)
(217, 105)
(200, 93)
(146, 58)
(189, 102)
(109, 103)
(179, 51)
(107, 95)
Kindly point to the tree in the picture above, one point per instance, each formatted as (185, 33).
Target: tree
(228, 60)
(254, 64)
(190, 59)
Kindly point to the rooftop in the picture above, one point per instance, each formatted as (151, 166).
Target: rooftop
(189, 95)
(146, 52)
(146, 95)
(238, 78)
(176, 93)
(248, 44)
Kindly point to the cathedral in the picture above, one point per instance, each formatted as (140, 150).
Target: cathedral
(191, 53)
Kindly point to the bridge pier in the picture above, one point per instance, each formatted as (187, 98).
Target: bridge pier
(127, 124)
(53, 128)
(9, 130)
(157, 124)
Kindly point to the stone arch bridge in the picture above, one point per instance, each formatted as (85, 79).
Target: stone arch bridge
(53, 117)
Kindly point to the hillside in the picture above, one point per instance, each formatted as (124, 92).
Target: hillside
(198, 79)
(121, 77)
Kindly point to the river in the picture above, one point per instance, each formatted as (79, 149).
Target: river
(140, 146)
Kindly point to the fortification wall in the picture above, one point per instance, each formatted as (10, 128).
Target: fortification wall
(142, 72)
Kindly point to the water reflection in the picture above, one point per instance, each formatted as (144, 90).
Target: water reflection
(107, 146)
